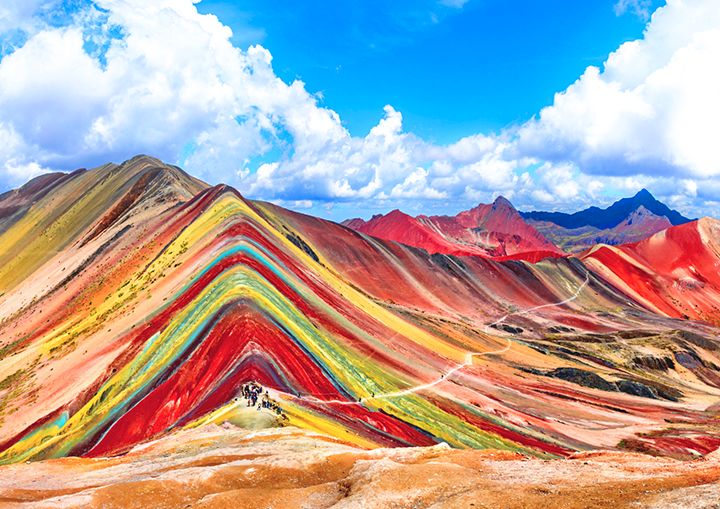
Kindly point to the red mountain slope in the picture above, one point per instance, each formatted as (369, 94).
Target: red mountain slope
(401, 227)
(674, 272)
(491, 230)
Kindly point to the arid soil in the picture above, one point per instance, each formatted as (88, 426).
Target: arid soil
(226, 466)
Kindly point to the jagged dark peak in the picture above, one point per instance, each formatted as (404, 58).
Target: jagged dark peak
(610, 216)
(644, 194)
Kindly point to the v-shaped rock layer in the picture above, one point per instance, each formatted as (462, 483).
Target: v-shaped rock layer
(149, 310)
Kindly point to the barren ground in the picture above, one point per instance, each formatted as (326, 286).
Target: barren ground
(226, 466)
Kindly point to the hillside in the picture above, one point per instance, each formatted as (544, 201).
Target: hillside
(136, 301)
(674, 272)
(493, 230)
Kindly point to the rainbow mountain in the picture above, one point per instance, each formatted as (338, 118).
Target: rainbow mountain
(135, 300)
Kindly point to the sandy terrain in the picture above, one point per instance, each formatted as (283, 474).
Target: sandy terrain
(226, 466)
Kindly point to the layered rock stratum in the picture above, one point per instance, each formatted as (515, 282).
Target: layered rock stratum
(136, 300)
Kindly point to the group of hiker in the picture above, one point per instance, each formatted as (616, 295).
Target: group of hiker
(270, 405)
(253, 392)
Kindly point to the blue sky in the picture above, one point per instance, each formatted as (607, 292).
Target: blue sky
(451, 71)
(357, 107)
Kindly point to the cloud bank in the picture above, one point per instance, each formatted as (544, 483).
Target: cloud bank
(112, 78)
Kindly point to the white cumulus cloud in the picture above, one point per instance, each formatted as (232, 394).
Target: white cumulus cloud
(123, 77)
(653, 108)
(640, 8)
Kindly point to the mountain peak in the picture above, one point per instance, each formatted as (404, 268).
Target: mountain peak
(503, 202)
(395, 213)
(641, 211)
(491, 230)
(644, 220)
(610, 216)
(644, 194)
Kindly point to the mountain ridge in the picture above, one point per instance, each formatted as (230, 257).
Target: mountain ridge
(129, 309)
(610, 216)
(638, 225)
(491, 230)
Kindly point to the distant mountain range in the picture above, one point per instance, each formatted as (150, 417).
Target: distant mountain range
(611, 216)
(625, 221)
(493, 230)
(500, 232)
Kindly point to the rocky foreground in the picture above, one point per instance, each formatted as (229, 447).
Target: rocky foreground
(227, 466)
